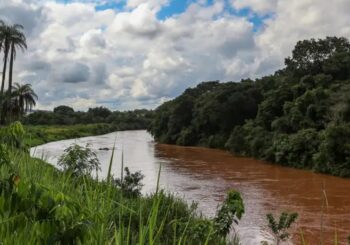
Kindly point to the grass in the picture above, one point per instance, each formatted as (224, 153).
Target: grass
(44, 205)
(37, 135)
(40, 204)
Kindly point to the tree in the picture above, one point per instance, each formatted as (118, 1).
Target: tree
(98, 113)
(130, 184)
(5, 46)
(24, 98)
(79, 160)
(309, 55)
(17, 40)
(231, 211)
(63, 109)
(11, 38)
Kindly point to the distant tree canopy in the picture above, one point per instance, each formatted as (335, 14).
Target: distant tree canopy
(313, 56)
(203, 115)
(100, 112)
(299, 117)
(65, 115)
(63, 109)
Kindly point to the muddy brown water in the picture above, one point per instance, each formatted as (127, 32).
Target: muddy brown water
(205, 175)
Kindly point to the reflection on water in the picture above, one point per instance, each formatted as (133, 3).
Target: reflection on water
(205, 175)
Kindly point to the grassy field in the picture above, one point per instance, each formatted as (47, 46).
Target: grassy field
(37, 135)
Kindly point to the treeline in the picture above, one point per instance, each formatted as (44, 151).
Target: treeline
(298, 117)
(65, 115)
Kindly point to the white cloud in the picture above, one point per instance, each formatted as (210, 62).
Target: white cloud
(258, 6)
(129, 58)
(153, 4)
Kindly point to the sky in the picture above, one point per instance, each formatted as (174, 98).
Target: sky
(128, 54)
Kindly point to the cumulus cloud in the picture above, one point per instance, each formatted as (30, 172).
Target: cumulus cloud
(73, 73)
(128, 58)
(257, 6)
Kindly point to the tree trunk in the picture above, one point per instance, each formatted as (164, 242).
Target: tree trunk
(6, 52)
(10, 78)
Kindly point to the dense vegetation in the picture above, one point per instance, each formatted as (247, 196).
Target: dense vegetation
(65, 115)
(38, 135)
(42, 205)
(298, 117)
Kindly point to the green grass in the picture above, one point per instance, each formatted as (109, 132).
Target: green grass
(40, 204)
(37, 135)
(49, 206)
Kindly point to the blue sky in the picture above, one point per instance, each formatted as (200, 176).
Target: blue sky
(145, 52)
(175, 7)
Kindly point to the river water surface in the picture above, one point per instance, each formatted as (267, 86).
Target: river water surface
(205, 175)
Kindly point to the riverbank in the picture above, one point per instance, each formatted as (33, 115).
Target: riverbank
(41, 204)
(41, 134)
(47, 205)
(297, 117)
(205, 175)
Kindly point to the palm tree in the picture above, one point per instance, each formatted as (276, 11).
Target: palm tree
(5, 46)
(23, 99)
(17, 40)
(2, 24)
(11, 38)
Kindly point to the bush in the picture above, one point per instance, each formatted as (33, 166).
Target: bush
(130, 184)
(280, 228)
(79, 160)
(13, 136)
(230, 212)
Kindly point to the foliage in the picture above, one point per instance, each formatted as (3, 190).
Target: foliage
(65, 115)
(37, 135)
(206, 114)
(11, 38)
(334, 154)
(4, 155)
(280, 228)
(79, 160)
(21, 101)
(13, 136)
(41, 205)
(298, 117)
(63, 110)
(230, 211)
(310, 55)
(130, 184)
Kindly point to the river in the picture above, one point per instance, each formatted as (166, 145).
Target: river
(205, 175)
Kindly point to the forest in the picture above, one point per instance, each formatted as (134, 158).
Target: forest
(297, 117)
(65, 115)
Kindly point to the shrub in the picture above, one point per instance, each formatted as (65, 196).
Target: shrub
(79, 160)
(130, 184)
(280, 228)
(230, 211)
(13, 136)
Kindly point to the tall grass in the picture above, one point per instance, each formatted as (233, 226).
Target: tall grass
(42, 205)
